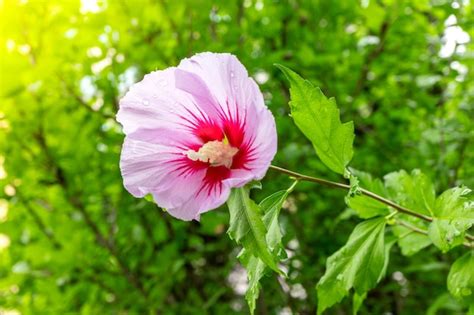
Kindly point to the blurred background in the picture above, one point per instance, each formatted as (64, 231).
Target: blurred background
(73, 241)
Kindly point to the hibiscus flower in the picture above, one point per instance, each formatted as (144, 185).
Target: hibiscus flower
(194, 132)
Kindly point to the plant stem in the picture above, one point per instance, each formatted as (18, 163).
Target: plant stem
(370, 194)
(365, 192)
(412, 228)
(423, 232)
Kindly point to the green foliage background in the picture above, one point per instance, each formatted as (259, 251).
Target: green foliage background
(72, 240)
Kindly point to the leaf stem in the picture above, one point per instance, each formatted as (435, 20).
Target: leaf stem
(423, 232)
(365, 192)
(391, 215)
(328, 183)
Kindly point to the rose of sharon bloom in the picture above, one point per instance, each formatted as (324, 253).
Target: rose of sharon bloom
(193, 132)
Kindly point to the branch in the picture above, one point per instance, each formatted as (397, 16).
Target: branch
(423, 232)
(365, 192)
(347, 187)
(39, 222)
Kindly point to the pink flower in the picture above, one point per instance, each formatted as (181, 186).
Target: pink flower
(193, 132)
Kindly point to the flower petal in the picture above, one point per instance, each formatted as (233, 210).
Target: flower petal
(248, 122)
(156, 102)
(157, 165)
(209, 97)
(212, 193)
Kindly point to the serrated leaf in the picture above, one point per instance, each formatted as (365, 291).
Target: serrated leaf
(364, 206)
(453, 216)
(359, 264)
(271, 207)
(461, 279)
(255, 271)
(318, 118)
(247, 227)
(414, 191)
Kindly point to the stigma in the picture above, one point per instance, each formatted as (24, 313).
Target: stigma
(216, 153)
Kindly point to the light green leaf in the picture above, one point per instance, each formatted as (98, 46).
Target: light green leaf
(357, 301)
(375, 15)
(318, 118)
(445, 235)
(359, 264)
(364, 206)
(453, 215)
(247, 227)
(409, 241)
(255, 267)
(354, 189)
(271, 207)
(461, 279)
(414, 191)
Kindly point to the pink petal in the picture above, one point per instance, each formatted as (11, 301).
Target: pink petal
(208, 97)
(242, 105)
(155, 102)
(212, 193)
(157, 165)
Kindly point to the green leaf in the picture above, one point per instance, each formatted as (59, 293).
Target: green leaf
(318, 118)
(364, 206)
(354, 181)
(453, 215)
(461, 279)
(414, 191)
(410, 241)
(255, 271)
(444, 302)
(375, 15)
(255, 267)
(357, 301)
(247, 227)
(359, 264)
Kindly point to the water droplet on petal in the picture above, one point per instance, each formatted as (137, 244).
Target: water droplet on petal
(232, 74)
(145, 102)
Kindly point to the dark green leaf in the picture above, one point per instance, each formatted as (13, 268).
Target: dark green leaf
(255, 267)
(247, 227)
(359, 264)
